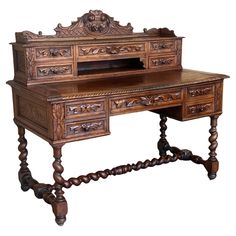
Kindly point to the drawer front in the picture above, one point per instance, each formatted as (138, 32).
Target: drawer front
(86, 129)
(162, 46)
(199, 109)
(53, 53)
(202, 91)
(162, 61)
(145, 102)
(84, 108)
(54, 71)
(111, 49)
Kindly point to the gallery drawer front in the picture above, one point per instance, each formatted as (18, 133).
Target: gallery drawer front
(54, 71)
(162, 61)
(200, 91)
(87, 129)
(84, 108)
(146, 101)
(198, 109)
(162, 46)
(54, 53)
(110, 49)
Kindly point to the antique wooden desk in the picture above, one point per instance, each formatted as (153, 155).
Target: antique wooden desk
(67, 85)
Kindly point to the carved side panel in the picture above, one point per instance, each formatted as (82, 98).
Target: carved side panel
(58, 114)
(218, 96)
(32, 112)
(19, 61)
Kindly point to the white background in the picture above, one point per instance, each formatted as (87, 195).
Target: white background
(174, 199)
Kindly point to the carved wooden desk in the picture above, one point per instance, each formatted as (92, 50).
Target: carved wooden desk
(66, 87)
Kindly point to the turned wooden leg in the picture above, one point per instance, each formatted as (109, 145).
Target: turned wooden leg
(212, 164)
(59, 204)
(24, 173)
(162, 144)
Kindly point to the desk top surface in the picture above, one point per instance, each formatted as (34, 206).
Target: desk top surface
(123, 84)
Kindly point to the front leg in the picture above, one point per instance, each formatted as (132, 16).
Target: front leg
(212, 164)
(24, 173)
(59, 205)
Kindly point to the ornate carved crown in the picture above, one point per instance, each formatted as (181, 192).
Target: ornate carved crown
(94, 24)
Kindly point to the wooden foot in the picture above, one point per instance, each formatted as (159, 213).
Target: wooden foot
(212, 164)
(59, 204)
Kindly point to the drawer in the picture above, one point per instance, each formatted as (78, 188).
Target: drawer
(110, 49)
(162, 61)
(146, 102)
(84, 108)
(200, 91)
(199, 109)
(54, 71)
(162, 46)
(86, 129)
(53, 53)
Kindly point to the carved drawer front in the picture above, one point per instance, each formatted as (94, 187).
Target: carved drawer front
(199, 109)
(162, 61)
(202, 91)
(111, 49)
(162, 46)
(54, 71)
(53, 53)
(84, 108)
(87, 129)
(145, 102)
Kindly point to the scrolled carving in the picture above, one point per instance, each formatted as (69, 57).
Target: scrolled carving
(54, 70)
(83, 108)
(161, 32)
(30, 62)
(162, 45)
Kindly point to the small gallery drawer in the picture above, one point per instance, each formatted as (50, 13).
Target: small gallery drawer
(162, 46)
(111, 49)
(84, 108)
(199, 109)
(53, 53)
(87, 129)
(54, 71)
(162, 61)
(201, 91)
(145, 102)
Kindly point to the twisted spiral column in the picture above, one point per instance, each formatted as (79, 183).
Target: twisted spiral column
(59, 205)
(212, 164)
(163, 144)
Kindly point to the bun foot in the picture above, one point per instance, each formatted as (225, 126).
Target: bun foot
(212, 176)
(60, 221)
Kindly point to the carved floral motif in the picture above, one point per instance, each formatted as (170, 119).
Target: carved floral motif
(162, 45)
(86, 127)
(30, 62)
(199, 91)
(84, 51)
(162, 61)
(146, 100)
(53, 52)
(199, 108)
(83, 108)
(54, 70)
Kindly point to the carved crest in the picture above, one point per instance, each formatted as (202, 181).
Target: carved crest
(93, 23)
